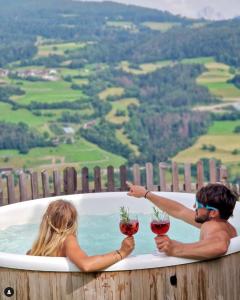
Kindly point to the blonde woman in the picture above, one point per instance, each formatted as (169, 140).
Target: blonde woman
(57, 237)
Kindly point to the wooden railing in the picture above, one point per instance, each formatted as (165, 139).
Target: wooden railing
(31, 185)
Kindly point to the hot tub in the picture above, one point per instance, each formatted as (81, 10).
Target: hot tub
(138, 277)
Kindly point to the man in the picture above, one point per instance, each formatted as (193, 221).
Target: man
(213, 207)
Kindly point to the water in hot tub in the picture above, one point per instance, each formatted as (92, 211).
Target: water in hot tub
(98, 234)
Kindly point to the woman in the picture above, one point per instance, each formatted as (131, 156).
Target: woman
(57, 237)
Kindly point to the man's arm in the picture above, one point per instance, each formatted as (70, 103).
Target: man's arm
(173, 208)
(211, 247)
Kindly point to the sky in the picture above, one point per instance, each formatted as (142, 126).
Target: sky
(211, 9)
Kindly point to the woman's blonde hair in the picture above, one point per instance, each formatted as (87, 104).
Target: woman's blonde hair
(59, 220)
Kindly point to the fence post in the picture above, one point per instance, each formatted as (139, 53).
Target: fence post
(97, 179)
(175, 179)
(45, 184)
(149, 176)
(70, 180)
(123, 178)
(57, 182)
(187, 178)
(136, 175)
(223, 175)
(200, 176)
(110, 179)
(34, 185)
(22, 186)
(1, 192)
(162, 175)
(85, 181)
(212, 171)
(11, 189)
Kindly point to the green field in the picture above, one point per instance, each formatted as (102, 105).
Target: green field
(120, 105)
(58, 49)
(144, 68)
(81, 153)
(220, 135)
(113, 91)
(161, 26)
(126, 141)
(47, 92)
(21, 115)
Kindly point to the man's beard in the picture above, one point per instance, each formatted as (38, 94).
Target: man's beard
(202, 218)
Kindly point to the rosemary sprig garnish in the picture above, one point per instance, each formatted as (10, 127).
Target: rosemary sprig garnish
(158, 214)
(124, 214)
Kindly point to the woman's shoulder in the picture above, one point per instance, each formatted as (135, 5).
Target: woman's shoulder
(70, 239)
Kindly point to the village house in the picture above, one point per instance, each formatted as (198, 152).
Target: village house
(50, 75)
(3, 73)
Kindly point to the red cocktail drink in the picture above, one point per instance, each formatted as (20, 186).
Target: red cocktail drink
(129, 228)
(160, 227)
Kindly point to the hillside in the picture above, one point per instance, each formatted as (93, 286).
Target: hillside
(105, 83)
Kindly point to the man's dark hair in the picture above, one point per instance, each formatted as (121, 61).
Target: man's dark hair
(219, 196)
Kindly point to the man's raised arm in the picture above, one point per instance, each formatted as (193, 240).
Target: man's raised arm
(173, 208)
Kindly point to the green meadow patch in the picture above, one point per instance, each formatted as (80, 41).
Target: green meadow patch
(161, 26)
(58, 49)
(113, 91)
(122, 137)
(120, 105)
(81, 153)
(144, 68)
(47, 92)
(222, 137)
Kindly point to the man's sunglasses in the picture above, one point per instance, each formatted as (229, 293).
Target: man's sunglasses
(200, 205)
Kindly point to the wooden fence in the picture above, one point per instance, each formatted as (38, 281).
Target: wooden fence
(31, 185)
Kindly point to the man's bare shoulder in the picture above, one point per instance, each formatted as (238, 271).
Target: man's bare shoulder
(217, 227)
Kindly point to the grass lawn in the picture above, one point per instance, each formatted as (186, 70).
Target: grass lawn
(161, 26)
(215, 79)
(21, 115)
(198, 60)
(220, 135)
(125, 140)
(81, 153)
(113, 91)
(145, 68)
(121, 105)
(47, 92)
(58, 49)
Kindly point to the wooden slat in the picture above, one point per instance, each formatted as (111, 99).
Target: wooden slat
(23, 187)
(136, 174)
(57, 182)
(200, 175)
(149, 176)
(70, 180)
(110, 179)
(123, 178)
(162, 175)
(187, 178)
(1, 192)
(175, 179)
(11, 189)
(85, 181)
(223, 174)
(97, 179)
(34, 185)
(45, 184)
(212, 171)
